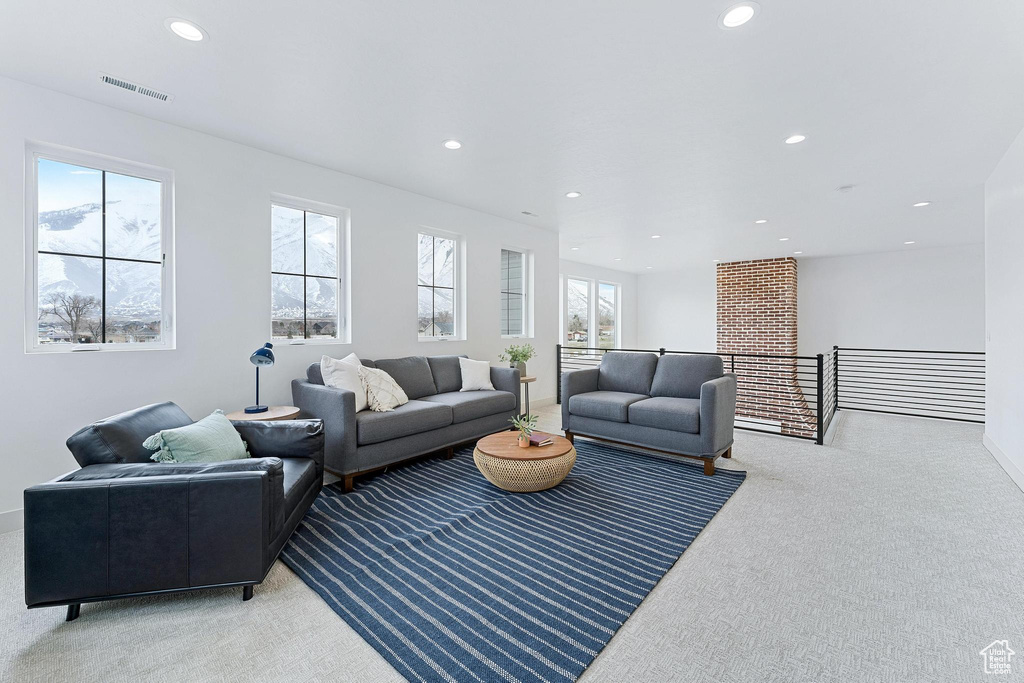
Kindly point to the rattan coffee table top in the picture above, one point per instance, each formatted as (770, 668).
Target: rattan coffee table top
(506, 445)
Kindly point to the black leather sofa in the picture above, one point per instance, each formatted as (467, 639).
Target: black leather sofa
(124, 526)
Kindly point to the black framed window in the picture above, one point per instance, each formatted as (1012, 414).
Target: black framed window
(513, 293)
(304, 274)
(436, 286)
(99, 268)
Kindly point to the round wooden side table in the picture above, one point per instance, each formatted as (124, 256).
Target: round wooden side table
(272, 413)
(511, 468)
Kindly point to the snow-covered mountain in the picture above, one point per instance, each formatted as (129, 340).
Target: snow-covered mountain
(577, 301)
(320, 259)
(133, 231)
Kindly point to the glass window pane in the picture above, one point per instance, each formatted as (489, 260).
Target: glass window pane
(70, 199)
(505, 255)
(515, 313)
(578, 312)
(425, 311)
(133, 217)
(286, 305)
(425, 253)
(321, 245)
(444, 262)
(444, 312)
(286, 240)
(70, 299)
(606, 319)
(515, 273)
(321, 308)
(133, 302)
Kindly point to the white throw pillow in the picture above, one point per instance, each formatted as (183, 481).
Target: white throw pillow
(344, 374)
(382, 391)
(476, 375)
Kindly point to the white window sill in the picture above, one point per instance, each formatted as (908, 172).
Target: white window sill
(95, 348)
(309, 342)
(517, 336)
(441, 339)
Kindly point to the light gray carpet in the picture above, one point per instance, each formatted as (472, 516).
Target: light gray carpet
(895, 554)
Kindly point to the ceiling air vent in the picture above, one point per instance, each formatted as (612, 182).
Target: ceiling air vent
(135, 88)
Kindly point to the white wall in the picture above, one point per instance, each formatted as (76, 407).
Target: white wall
(1004, 289)
(222, 248)
(931, 299)
(627, 294)
(676, 310)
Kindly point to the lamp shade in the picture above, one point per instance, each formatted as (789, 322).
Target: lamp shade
(263, 355)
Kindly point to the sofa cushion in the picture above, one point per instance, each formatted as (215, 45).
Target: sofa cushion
(315, 376)
(119, 438)
(662, 412)
(412, 418)
(299, 476)
(412, 374)
(469, 405)
(604, 405)
(627, 372)
(681, 376)
(445, 369)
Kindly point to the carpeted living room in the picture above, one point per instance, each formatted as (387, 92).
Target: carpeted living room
(511, 341)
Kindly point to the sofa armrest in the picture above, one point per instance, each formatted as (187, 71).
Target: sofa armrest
(717, 413)
(337, 409)
(507, 379)
(284, 439)
(98, 538)
(576, 382)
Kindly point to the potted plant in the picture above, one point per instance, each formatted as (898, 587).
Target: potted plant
(516, 357)
(525, 424)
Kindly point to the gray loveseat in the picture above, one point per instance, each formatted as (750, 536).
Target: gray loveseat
(678, 404)
(438, 415)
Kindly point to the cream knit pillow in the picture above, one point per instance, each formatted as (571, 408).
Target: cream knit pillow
(344, 374)
(382, 392)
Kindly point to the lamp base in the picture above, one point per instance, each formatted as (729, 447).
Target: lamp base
(256, 409)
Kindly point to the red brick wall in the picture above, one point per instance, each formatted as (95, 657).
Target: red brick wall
(757, 314)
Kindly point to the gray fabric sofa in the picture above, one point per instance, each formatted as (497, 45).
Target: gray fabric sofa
(678, 404)
(438, 415)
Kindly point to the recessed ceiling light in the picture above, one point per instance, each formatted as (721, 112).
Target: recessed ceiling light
(185, 29)
(650, 267)
(617, 259)
(798, 252)
(920, 204)
(573, 194)
(574, 248)
(783, 239)
(737, 15)
(910, 242)
(452, 144)
(717, 260)
(655, 237)
(761, 221)
(794, 139)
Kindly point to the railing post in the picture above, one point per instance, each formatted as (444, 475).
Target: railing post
(661, 351)
(835, 380)
(558, 373)
(732, 363)
(821, 400)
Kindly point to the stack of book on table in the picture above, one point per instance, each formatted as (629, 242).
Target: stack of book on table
(540, 440)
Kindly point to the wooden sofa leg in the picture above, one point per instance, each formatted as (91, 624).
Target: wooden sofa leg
(570, 437)
(709, 467)
(449, 453)
(728, 453)
(348, 483)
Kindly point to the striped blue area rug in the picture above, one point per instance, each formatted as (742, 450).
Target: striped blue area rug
(452, 579)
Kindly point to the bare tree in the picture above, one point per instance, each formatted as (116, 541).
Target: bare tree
(72, 310)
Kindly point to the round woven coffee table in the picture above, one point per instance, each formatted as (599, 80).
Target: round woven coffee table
(500, 459)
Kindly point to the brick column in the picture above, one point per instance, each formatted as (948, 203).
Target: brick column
(757, 314)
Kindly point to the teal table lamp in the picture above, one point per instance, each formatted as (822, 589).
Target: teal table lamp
(263, 356)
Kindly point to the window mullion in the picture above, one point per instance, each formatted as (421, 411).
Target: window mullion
(103, 261)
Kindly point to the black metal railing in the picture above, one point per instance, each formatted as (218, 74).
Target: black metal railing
(949, 385)
(788, 395)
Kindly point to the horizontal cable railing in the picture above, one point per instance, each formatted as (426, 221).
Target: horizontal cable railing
(775, 393)
(942, 384)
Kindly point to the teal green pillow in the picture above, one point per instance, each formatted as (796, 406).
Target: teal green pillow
(212, 439)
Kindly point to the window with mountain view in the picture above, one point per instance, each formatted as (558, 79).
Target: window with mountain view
(99, 253)
(577, 312)
(607, 315)
(513, 293)
(436, 287)
(305, 258)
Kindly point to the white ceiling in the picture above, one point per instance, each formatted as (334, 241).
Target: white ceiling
(667, 123)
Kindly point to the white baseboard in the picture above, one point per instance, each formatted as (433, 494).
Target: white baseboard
(12, 520)
(1011, 469)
